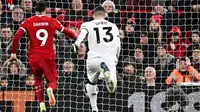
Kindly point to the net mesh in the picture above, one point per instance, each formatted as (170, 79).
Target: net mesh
(153, 33)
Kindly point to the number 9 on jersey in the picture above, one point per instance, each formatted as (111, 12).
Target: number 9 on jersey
(44, 38)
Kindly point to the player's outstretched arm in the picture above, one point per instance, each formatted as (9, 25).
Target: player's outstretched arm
(15, 41)
(69, 33)
(80, 38)
(66, 31)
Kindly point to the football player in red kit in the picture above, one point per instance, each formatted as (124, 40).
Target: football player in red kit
(41, 56)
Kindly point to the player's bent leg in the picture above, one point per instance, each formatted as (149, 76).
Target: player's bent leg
(93, 72)
(39, 89)
(39, 93)
(92, 91)
(50, 73)
(51, 97)
(42, 107)
(35, 69)
(111, 84)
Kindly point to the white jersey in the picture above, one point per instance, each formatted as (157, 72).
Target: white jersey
(103, 39)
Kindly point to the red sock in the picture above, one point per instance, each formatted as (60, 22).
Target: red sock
(52, 85)
(39, 90)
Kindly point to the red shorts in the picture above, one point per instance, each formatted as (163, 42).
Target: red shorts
(46, 67)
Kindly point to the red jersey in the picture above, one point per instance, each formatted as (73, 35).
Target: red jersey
(41, 31)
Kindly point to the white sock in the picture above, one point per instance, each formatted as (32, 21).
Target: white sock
(92, 94)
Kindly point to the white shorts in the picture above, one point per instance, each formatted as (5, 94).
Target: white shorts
(94, 69)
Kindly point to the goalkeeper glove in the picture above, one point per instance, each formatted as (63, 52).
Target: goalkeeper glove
(75, 48)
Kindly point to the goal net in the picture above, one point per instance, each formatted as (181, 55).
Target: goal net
(153, 33)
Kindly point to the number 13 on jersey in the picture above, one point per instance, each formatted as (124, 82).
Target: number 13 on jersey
(108, 29)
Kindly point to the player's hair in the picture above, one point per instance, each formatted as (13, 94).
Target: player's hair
(40, 6)
(99, 11)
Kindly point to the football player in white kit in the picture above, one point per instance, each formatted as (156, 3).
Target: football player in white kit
(104, 50)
